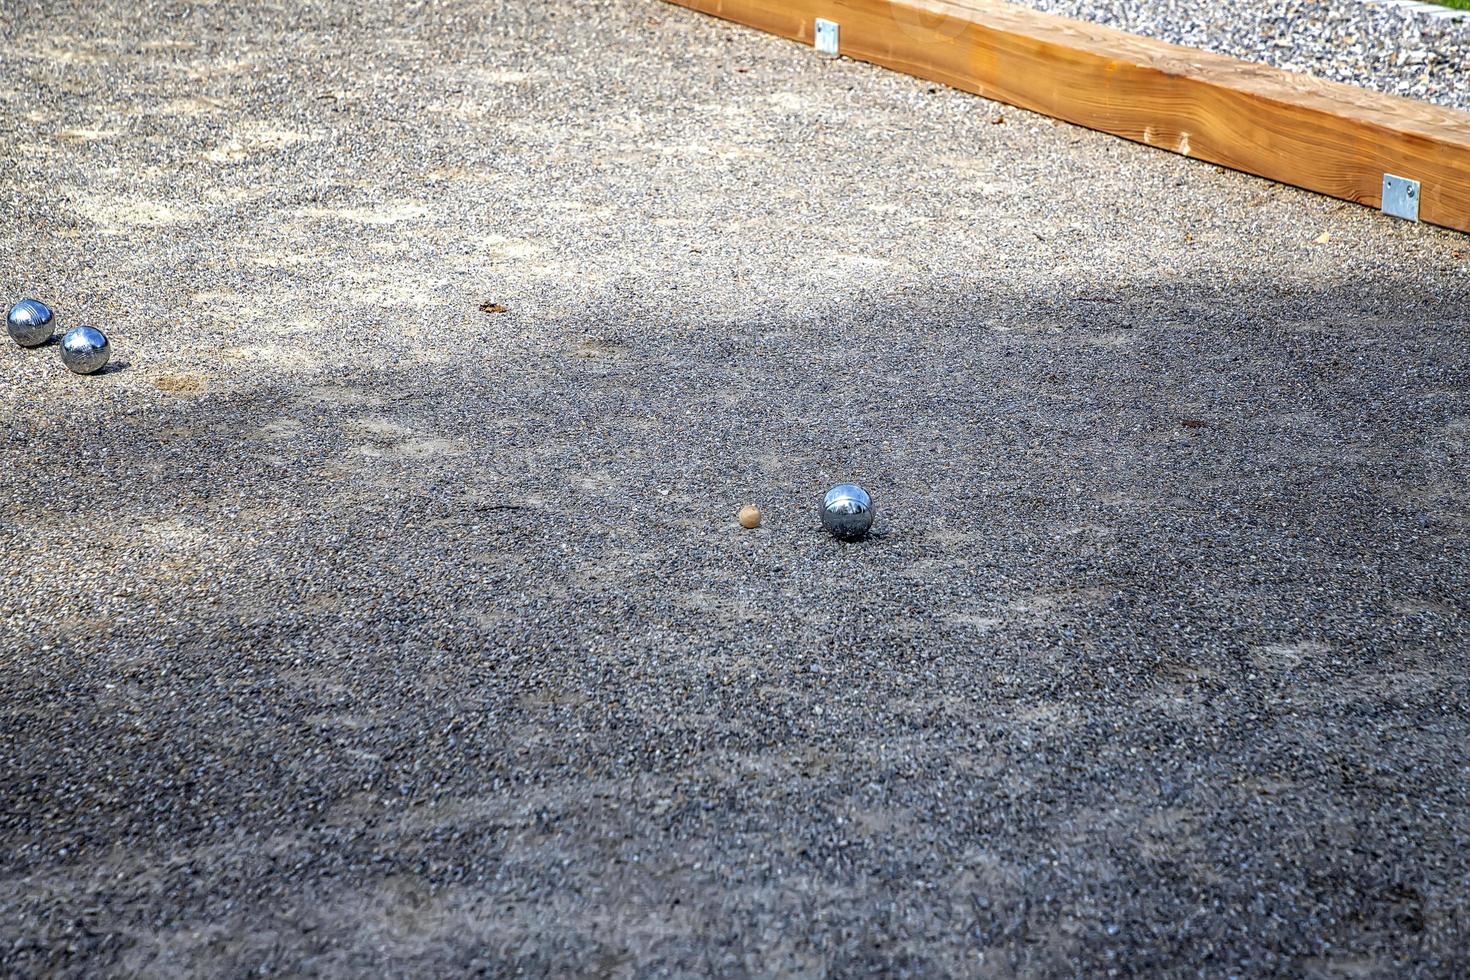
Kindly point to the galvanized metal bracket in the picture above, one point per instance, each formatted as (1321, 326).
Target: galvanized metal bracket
(827, 37)
(1401, 197)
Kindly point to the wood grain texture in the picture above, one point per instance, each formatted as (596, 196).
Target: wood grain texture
(1323, 136)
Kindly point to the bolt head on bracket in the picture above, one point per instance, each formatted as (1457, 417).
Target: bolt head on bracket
(1401, 197)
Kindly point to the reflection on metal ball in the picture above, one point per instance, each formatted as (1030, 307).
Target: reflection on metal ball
(85, 350)
(847, 512)
(29, 323)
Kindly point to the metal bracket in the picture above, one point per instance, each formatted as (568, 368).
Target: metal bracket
(1401, 197)
(826, 37)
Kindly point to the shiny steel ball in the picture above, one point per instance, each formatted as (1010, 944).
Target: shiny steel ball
(85, 350)
(29, 323)
(847, 512)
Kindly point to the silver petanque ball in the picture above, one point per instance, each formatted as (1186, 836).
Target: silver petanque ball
(847, 512)
(85, 350)
(29, 323)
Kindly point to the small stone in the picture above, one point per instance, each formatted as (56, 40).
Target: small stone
(749, 516)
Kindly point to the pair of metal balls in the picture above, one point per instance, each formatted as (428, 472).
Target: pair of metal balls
(84, 349)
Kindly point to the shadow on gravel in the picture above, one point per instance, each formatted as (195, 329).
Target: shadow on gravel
(468, 668)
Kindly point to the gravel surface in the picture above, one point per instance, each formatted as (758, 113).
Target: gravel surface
(349, 628)
(1371, 45)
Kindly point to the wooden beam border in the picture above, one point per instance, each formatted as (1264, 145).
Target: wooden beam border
(1323, 136)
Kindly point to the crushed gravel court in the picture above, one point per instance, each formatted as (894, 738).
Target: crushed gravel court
(382, 609)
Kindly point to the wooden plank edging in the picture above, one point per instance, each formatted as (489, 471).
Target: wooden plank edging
(1323, 136)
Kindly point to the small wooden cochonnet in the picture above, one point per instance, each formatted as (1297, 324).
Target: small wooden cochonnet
(1324, 136)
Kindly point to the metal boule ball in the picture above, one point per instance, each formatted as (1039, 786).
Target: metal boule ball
(29, 323)
(85, 350)
(847, 512)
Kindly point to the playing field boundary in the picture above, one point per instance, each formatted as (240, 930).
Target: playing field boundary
(1323, 136)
